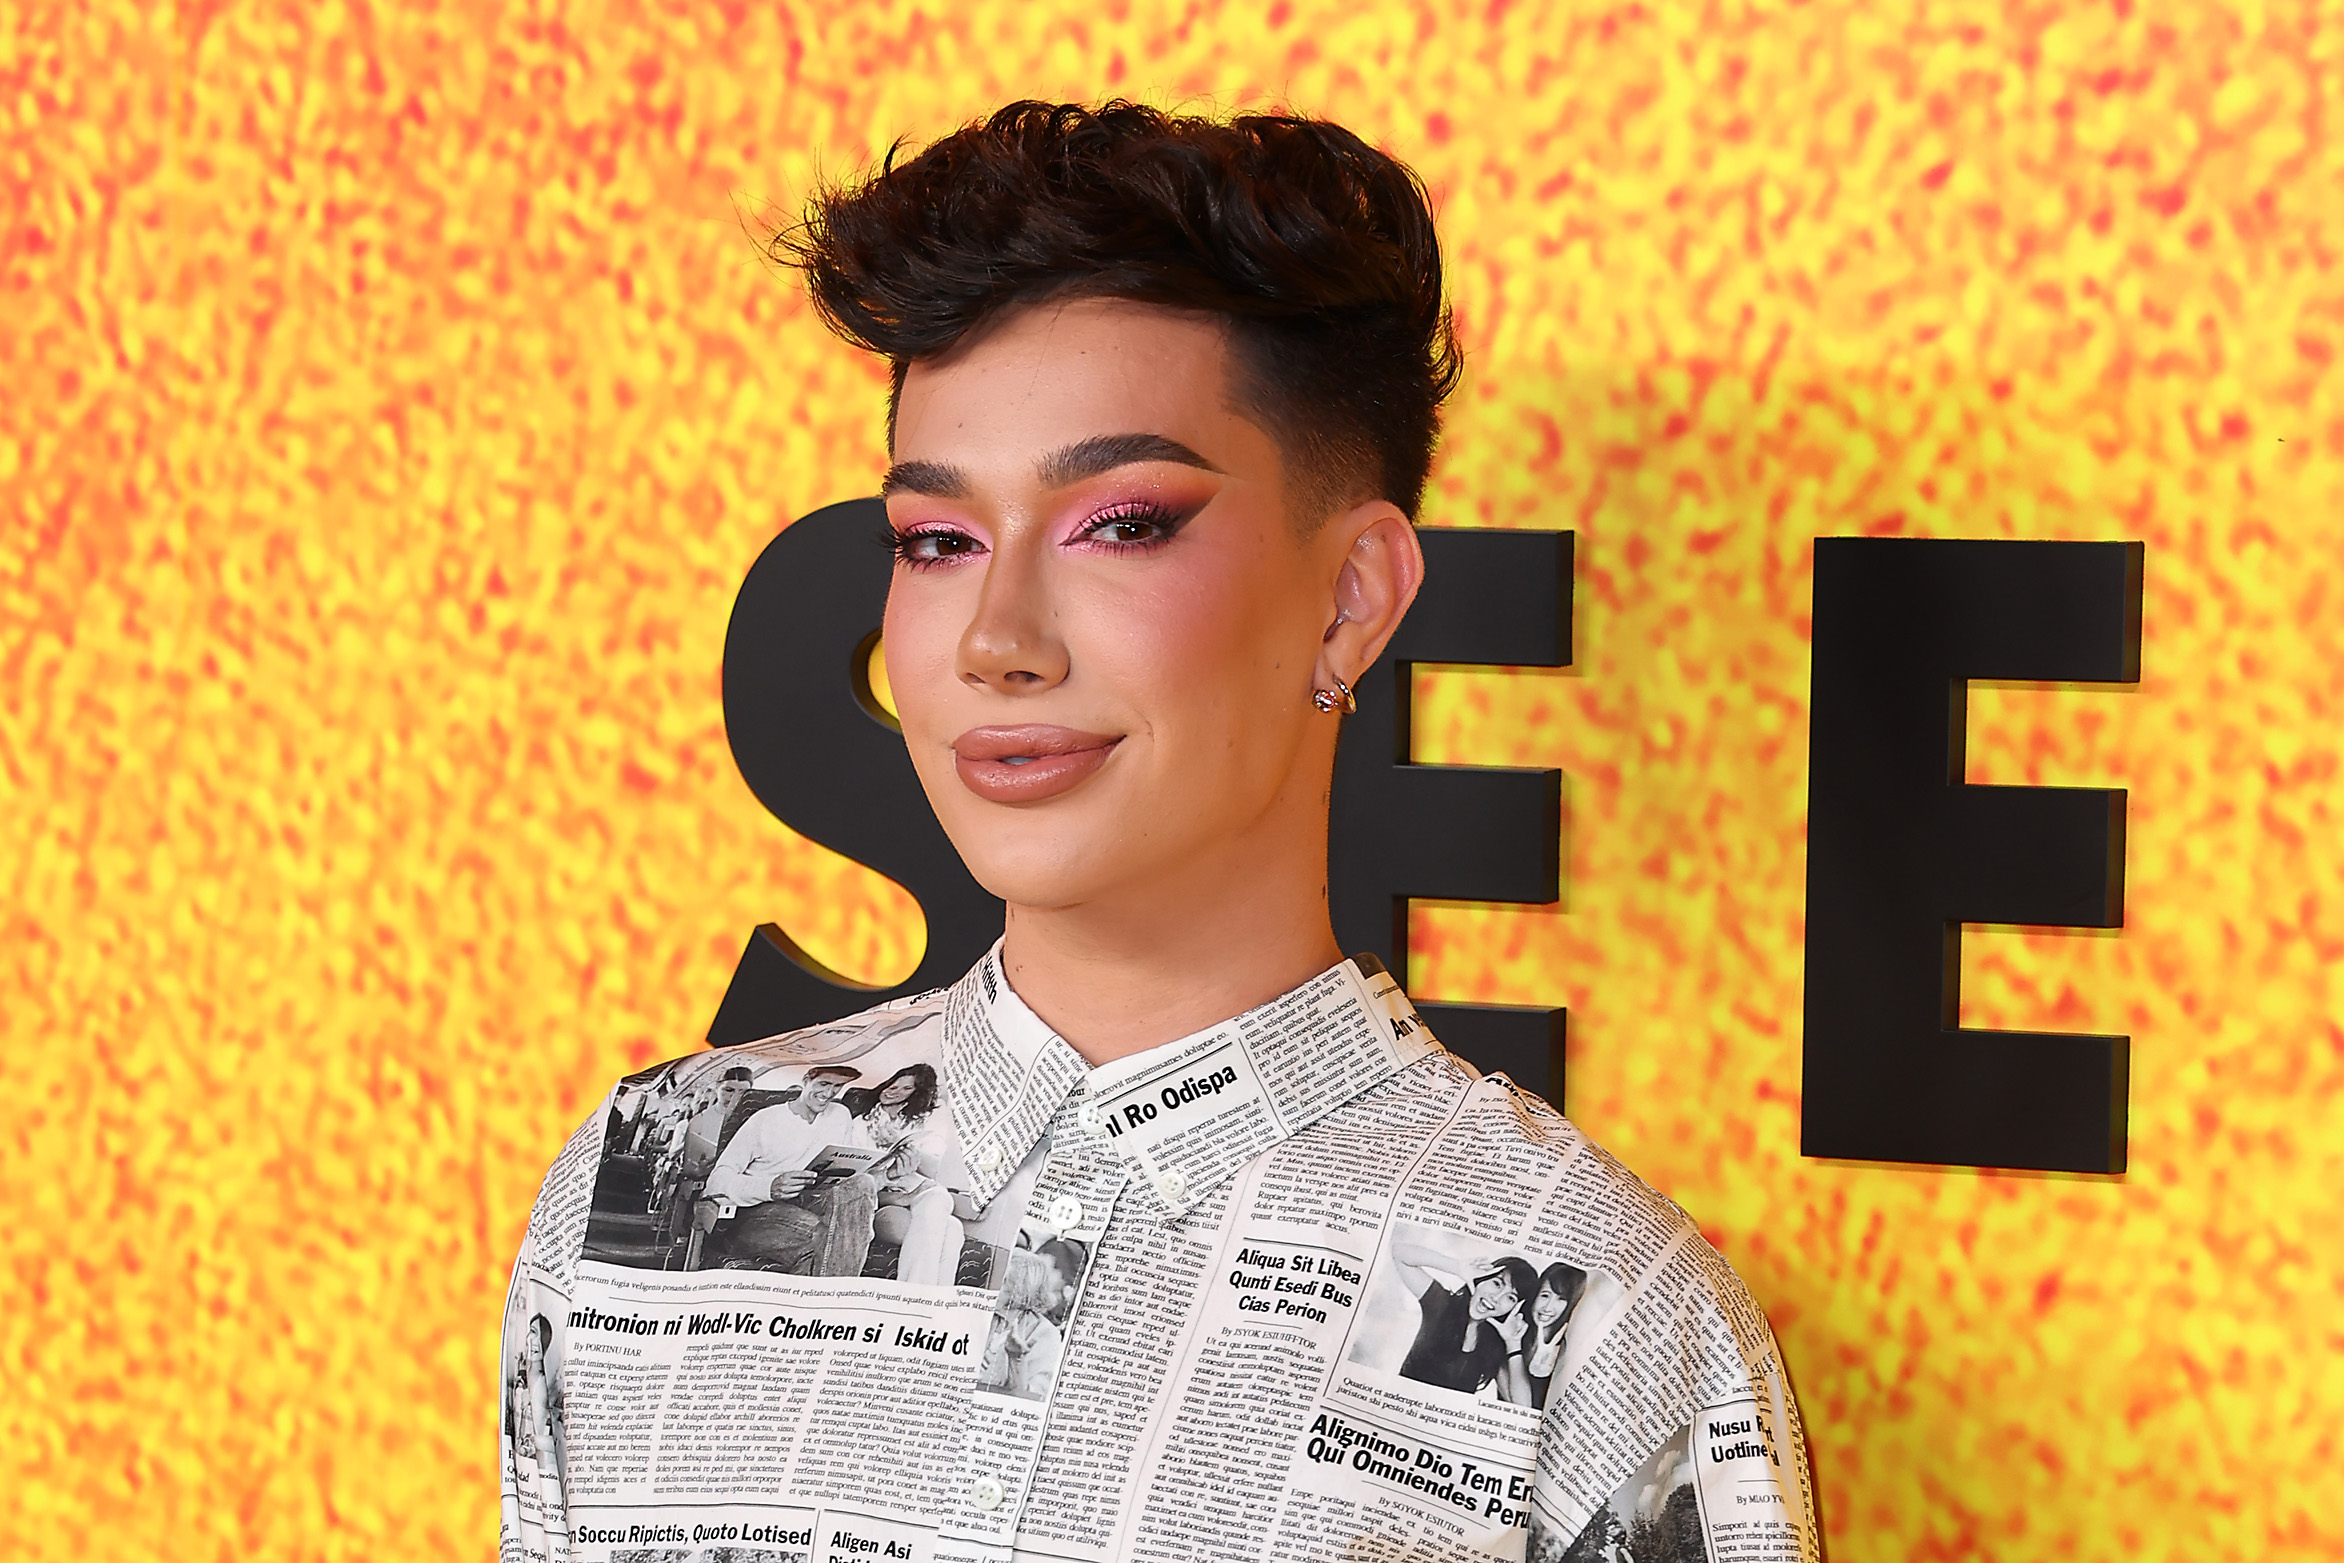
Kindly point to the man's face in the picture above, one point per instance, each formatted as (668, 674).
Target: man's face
(1102, 646)
(729, 1094)
(821, 1090)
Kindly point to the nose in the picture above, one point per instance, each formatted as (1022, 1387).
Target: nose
(1012, 645)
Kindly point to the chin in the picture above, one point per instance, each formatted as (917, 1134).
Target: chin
(1055, 858)
(1064, 871)
(1051, 854)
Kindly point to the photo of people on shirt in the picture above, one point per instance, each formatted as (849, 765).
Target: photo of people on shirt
(1468, 1318)
(534, 1421)
(1039, 1280)
(1654, 1517)
(837, 1158)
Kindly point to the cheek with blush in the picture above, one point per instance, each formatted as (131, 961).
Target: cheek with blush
(918, 636)
(1195, 647)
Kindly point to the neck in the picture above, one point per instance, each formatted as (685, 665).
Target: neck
(1121, 974)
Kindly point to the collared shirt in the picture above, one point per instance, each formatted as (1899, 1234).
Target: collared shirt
(775, 1141)
(1186, 1292)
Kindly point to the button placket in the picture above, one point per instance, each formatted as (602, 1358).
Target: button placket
(1079, 1184)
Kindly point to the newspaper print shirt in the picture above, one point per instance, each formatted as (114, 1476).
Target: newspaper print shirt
(1302, 1286)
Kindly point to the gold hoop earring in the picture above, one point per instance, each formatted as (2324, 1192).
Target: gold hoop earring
(1338, 701)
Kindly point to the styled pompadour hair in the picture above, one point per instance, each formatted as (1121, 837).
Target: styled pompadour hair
(1316, 249)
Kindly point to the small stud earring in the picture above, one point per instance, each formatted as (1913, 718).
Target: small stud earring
(1336, 701)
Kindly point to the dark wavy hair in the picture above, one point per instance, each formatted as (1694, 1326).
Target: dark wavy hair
(919, 1104)
(1317, 250)
(1567, 1282)
(1517, 1271)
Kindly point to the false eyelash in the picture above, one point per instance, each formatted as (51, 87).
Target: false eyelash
(1168, 521)
(899, 545)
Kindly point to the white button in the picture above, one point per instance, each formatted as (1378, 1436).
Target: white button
(989, 1160)
(1089, 1117)
(986, 1493)
(1172, 1187)
(1065, 1212)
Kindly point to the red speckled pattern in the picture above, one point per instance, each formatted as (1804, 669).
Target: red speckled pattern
(391, 400)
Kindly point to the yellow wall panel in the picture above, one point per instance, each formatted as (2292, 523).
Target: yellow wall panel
(391, 400)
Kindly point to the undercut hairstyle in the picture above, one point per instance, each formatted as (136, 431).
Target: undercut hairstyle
(1315, 249)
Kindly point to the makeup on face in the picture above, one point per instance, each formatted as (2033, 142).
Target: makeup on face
(1133, 525)
(1030, 762)
(1101, 619)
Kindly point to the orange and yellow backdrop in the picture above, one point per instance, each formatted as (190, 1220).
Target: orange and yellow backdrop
(392, 397)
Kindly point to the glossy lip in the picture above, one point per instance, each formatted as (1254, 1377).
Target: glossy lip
(1028, 764)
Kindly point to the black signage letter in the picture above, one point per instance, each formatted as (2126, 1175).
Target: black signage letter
(795, 684)
(1457, 832)
(1900, 853)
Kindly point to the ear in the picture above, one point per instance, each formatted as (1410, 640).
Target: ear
(1377, 578)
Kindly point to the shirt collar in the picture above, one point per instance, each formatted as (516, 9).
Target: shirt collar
(1006, 1072)
(1260, 1078)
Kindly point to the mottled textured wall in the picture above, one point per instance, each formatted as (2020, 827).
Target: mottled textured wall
(390, 402)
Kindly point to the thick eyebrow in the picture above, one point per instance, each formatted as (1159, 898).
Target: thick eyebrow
(1105, 452)
(1083, 459)
(932, 478)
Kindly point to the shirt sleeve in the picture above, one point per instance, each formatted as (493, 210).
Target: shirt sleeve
(731, 1178)
(1680, 1416)
(534, 1524)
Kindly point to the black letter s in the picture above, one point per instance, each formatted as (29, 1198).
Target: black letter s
(822, 756)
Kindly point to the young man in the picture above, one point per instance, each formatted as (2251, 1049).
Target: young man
(765, 1208)
(1166, 391)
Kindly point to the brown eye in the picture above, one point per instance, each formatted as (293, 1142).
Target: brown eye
(1132, 526)
(933, 547)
